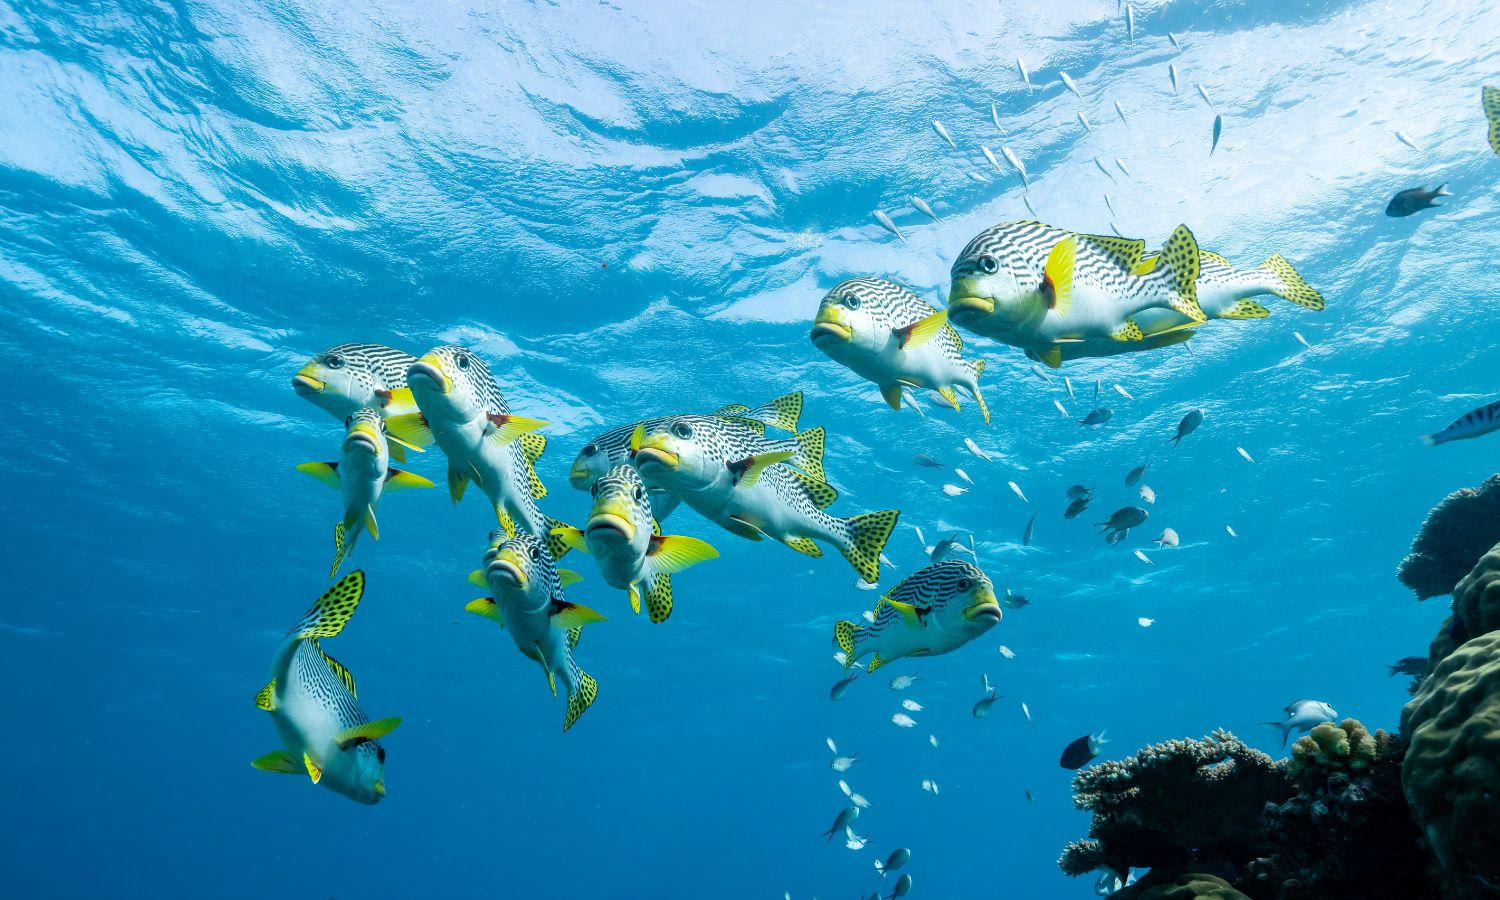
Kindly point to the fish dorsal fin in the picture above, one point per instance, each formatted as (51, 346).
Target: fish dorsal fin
(331, 612)
(1057, 276)
(326, 472)
(488, 608)
(532, 446)
(754, 425)
(567, 615)
(1214, 258)
(341, 670)
(783, 412)
(505, 427)
(1123, 252)
(821, 493)
(747, 471)
(266, 698)
(370, 731)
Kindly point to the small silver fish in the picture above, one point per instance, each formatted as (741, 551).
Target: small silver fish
(927, 462)
(931, 787)
(1247, 456)
(1168, 538)
(1026, 711)
(1068, 383)
(1085, 120)
(1130, 21)
(1121, 163)
(1107, 173)
(1123, 393)
(1041, 373)
(954, 490)
(1172, 74)
(1030, 531)
(932, 739)
(975, 176)
(1007, 652)
(887, 224)
(1407, 141)
(1025, 75)
(911, 706)
(1173, 38)
(1471, 424)
(1109, 203)
(1026, 199)
(1121, 110)
(857, 799)
(1098, 383)
(903, 720)
(943, 133)
(1067, 81)
(1147, 494)
(902, 682)
(974, 449)
(1232, 532)
(1301, 340)
(898, 858)
(1145, 622)
(1218, 131)
(1016, 488)
(1062, 409)
(964, 475)
(1302, 715)
(1140, 555)
(1203, 92)
(1013, 159)
(990, 155)
(843, 763)
(923, 208)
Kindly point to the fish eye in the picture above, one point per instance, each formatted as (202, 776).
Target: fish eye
(590, 449)
(380, 754)
(850, 301)
(463, 362)
(536, 551)
(640, 493)
(988, 264)
(348, 420)
(964, 584)
(682, 430)
(333, 361)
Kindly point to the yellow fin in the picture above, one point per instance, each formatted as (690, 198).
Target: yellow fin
(582, 699)
(331, 612)
(575, 636)
(805, 546)
(266, 699)
(534, 482)
(783, 412)
(488, 608)
(477, 578)
(278, 761)
(892, 395)
(313, 770)
(1146, 266)
(396, 449)
(457, 481)
(1057, 276)
(506, 428)
(507, 524)
(984, 408)
(397, 480)
(923, 330)
(875, 663)
(747, 471)
(396, 402)
(370, 731)
(370, 524)
(409, 428)
(638, 436)
(1051, 357)
(821, 493)
(573, 537)
(1127, 331)
(341, 547)
(532, 446)
(754, 425)
(1244, 309)
(674, 553)
(909, 614)
(659, 597)
(555, 543)
(1293, 289)
(341, 671)
(949, 395)
(326, 472)
(843, 633)
(568, 577)
(1215, 258)
(1179, 256)
(868, 533)
(809, 456)
(635, 599)
(567, 615)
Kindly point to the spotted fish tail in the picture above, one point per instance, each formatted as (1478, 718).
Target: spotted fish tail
(333, 610)
(866, 535)
(1491, 99)
(846, 633)
(581, 697)
(1287, 284)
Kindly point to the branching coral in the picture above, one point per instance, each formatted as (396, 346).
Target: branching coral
(1177, 803)
(1458, 531)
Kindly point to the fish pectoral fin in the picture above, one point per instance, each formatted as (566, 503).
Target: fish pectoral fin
(396, 402)
(314, 771)
(567, 615)
(921, 331)
(1127, 331)
(673, 553)
(568, 577)
(1057, 276)
(892, 395)
(398, 480)
(326, 472)
(488, 608)
(1051, 357)
(573, 537)
(477, 578)
(278, 761)
(744, 528)
(747, 471)
(912, 616)
(410, 429)
(266, 698)
(369, 731)
(505, 428)
(949, 395)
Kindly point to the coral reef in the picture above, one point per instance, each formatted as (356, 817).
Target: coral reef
(1187, 886)
(1457, 531)
(1476, 597)
(1346, 832)
(1451, 773)
(1177, 804)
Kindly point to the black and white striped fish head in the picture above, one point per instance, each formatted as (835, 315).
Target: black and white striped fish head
(621, 514)
(863, 313)
(684, 450)
(997, 279)
(520, 565)
(358, 772)
(453, 384)
(599, 456)
(364, 439)
(348, 377)
(958, 596)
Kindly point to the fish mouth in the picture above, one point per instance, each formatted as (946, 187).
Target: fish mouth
(967, 306)
(825, 332)
(578, 476)
(303, 383)
(380, 788)
(428, 371)
(363, 436)
(657, 456)
(507, 572)
(603, 522)
(984, 608)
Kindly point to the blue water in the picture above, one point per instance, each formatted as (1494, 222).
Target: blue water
(631, 210)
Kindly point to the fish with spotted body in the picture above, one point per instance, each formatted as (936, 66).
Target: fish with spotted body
(726, 473)
(1490, 100)
(933, 611)
(312, 701)
(888, 335)
(461, 407)
(627, 544)
(349, 377)
(361, 475)
(526, 599)
(612, 448)
(1035, 286)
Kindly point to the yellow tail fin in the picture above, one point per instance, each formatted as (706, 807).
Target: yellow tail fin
(868, 533)
(1288, 285)
(332, 611)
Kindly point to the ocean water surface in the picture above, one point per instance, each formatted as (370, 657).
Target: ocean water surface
(633, 209)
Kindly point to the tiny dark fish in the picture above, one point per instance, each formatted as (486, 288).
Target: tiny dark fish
(837, 691)
(1014, 601)
(1028, 797)
(1076, 508)
(1187, 426)
(1218, 130)
(1136, 473)
(1082, 751)
(903, 887)
(983, 704)
(927, 462)
(1415, 200)
(1410, 665)
(1030, 532)
(1097, 417)
(1079, 492)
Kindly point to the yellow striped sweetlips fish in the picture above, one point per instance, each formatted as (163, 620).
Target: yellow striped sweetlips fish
(728, 475)
(349, 377)
(311, 699)
(935, 610)
(628, 546)
(526, 599)
(461, 407)
(1032, 286)
(612, 448)
(888, 335)
(361, 475)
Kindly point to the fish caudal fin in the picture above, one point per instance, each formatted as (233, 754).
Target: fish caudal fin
(984, 408)
(332, 611)
(343, 543)
(1284, 728)
(1178, 268)
(866, 536)
(1288, 285)
(1491, 100)
(847, 635)
(658, 596)
(581, 698)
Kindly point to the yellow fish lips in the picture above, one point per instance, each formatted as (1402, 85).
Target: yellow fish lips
(507, 567)
(608, 519)
(429, 371)
(305, 382)
(579, 476)
(830, 326)
(380, 788)
(967, 299)
(363, 433)
(653, 452)
(985, 607)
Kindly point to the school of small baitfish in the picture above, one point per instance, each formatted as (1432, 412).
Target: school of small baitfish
(1055, 294)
